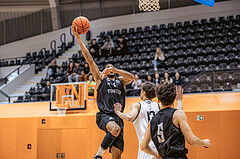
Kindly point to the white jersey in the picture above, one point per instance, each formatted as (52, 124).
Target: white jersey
(148, 109)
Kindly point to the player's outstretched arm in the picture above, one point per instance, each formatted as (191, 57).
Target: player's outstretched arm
(130, 116)
(179, 97)
(182, 121)
(93, 67)
(145, 143)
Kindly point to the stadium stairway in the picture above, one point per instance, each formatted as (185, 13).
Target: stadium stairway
(20, 91)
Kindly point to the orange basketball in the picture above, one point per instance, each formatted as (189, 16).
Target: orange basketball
(81, 24)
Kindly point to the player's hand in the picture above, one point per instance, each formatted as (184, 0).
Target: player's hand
(117, 107)
(106, 71)
(75, 33)
(207, 143)
(179, 92)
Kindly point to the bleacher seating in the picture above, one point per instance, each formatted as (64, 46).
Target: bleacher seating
(189, 47)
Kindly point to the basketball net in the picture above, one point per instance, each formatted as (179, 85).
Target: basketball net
(149, 5)
(61, 111)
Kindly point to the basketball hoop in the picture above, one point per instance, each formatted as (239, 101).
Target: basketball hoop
(149, 5)
(61, 111)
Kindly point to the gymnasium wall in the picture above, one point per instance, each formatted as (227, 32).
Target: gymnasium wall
(19, 48)
(5, 14)
(78, 136)
(36, 43)
(9, 12)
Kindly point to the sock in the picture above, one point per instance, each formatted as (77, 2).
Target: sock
(100, 151)
(108, 140)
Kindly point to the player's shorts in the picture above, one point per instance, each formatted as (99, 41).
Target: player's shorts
(102, 119)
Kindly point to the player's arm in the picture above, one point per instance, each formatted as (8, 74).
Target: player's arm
(131, 115)
(193, 140)
(93, 67)
(145, 143)
(125, 77)
(179, 97)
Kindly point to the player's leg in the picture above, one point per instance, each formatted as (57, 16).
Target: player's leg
(116, 153)
(107, 123)
(113, 131)
(117, 146)
(113, 128)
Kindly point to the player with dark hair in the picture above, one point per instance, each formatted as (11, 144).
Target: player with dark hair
(169, 128)
(141, 113)
(110, 90)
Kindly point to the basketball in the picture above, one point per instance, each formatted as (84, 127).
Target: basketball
(82, 24)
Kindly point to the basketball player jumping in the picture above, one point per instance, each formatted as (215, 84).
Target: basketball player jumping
(141, 113)
(169, 128)
(110, 90)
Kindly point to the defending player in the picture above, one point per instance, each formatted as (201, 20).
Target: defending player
(141, 113)
(110, 90)
(169, 128)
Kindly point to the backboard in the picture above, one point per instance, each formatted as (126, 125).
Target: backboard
(71, 96)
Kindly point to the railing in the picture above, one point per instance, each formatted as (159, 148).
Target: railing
(195, 77)
(212, 81)
(15, 59)
(5, 79)
(94, 97)
(10, 100)
(12, 58)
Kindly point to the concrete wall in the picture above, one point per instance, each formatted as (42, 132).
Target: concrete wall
(20, 79)
(20, 48)
(4, 71)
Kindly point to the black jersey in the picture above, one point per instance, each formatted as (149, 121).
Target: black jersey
(167, 138)
(109, 93)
